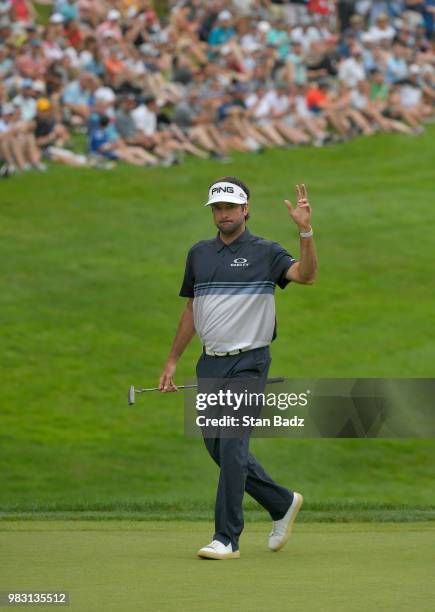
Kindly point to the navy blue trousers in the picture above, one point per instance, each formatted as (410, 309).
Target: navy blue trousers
(239, 470)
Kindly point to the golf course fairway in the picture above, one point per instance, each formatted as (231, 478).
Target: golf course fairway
(144, 565)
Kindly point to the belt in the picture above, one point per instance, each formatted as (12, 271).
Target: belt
(219, 354)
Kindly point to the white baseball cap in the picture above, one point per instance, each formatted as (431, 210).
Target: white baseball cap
(264, 26)
(224, 15)
(105, 94)
(39, 86)
(226, 192)
(57, 18)
(113, 15)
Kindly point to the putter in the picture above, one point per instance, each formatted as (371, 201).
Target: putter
(132, 390)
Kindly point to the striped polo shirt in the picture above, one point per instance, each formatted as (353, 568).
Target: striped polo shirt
(233, 288)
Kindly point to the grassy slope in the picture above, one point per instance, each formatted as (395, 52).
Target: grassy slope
(133, 566)
(92, 263)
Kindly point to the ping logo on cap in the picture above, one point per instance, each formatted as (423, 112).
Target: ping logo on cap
(219, 189)
(226, 192)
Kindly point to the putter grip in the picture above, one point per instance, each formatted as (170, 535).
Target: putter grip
(275, 380)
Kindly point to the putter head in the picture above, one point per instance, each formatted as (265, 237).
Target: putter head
(131, 395)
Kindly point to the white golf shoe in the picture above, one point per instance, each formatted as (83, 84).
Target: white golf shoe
(281, 529)
(217, 550)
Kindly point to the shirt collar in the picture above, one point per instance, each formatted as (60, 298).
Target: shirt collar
(236, 244)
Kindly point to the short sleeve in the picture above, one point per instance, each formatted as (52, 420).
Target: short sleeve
(280, 262)
(70, 94)
(189, 279)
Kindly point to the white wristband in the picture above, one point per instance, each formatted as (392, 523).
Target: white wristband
(306, 234)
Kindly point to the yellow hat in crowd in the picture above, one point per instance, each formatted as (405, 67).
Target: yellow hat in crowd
(43, 104)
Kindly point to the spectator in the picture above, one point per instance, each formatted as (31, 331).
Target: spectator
(91, 58)
(69, 10)
(104, 141)
(351, 70)
(110, 27)
(196, 122)
(404, 103)
(378, 87)
(382, 30)
(79, 96)
(360, 100)
(412, 95)
(73, 34)
(22, 11)
(126, 125)
(51, 136)
(52, 45)
(320, 63)
(18, 143)
(397, 68)
(145, 117)
(356, 27)
(296, 69)
(26, 101)
(31, 62)
(223, 30)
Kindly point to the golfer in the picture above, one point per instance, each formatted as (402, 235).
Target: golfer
(229, 282)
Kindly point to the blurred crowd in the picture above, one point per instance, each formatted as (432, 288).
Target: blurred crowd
(107, 80)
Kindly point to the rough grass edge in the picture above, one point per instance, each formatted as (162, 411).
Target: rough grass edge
(340, 513)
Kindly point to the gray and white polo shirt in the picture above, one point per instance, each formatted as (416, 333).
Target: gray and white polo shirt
(233, 288)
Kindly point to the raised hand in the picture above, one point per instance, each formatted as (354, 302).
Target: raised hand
(301, 215)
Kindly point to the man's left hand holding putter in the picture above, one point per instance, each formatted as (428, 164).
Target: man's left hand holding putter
(303, 271)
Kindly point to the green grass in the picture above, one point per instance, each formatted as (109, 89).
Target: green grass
(153, 566)
(202, 511)
(92, 262)
(43, 12)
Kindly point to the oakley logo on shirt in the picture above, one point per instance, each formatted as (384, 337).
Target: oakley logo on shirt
(240, 262)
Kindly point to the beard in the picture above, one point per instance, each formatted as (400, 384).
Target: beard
(230, 228)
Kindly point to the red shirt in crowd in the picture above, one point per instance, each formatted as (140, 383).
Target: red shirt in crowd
(315, 98)
(322, 7)
(21, 10)
(73, 34)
